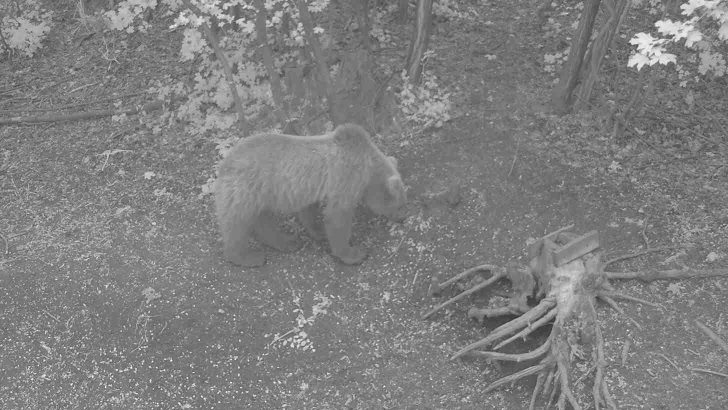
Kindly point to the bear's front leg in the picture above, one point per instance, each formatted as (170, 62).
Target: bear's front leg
(337, 223)
(236, 243)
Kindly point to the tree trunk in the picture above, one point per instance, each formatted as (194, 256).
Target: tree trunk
(599, 47)
(275, 80)
(562, 95)
(364, 25)
(403, 6)
(423, 27)
(323, 69)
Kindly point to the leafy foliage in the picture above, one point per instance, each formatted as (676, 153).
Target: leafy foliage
(220, 41)
(23, 26)
(449, 9)
(705, 31)
(426, 104)
(208, 96)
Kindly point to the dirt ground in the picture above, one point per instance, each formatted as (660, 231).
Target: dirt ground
(114, 295)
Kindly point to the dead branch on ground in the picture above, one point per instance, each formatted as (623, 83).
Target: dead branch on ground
(35, 119)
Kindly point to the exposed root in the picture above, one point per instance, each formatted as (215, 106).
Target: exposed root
(498, 273)
(481, 314)
(566, 273)
(609, 294)
(514, 357)
(600, 389)
(469, 272)
(536, 390)
(548, 317)
(529, 371)
(510, 327)
(634, 255)
(671, 274)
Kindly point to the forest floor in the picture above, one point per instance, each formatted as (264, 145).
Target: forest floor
(114, 294)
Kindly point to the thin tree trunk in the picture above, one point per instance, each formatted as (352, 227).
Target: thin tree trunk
(562, 94)
(273, 77)
(599, 47)
(323, 69)
(364, 25)
(423, 26)
(403, 6)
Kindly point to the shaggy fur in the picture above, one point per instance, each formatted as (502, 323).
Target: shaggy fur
(273, 173)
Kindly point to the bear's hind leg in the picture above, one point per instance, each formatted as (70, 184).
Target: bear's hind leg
(236, 241)
(267, 231)
(338, 229)
(308, 217)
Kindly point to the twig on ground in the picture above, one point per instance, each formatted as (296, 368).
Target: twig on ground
(695, 369)
(667, 359)
(80, 88)
(6, 243)
(51, 316)
(152, 106)
(644, 235)
(619, 310)
(515, 157)
(75, 105)
(109, 153)
(15, 235)
(399, 245)
(714, 337)
(625, 351)
(414, 280)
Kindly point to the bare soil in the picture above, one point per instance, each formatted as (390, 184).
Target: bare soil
(114, 295)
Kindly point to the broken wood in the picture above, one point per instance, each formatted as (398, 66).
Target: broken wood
(576, 248)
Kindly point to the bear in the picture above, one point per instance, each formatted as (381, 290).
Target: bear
(329, 174)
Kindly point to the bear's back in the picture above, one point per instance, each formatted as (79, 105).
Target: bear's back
(288, 172)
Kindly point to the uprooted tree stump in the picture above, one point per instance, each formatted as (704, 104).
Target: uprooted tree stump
(566, 275)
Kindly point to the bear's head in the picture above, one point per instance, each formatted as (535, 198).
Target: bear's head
(386, 195)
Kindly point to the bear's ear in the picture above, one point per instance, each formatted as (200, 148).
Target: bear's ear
(393, 161)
